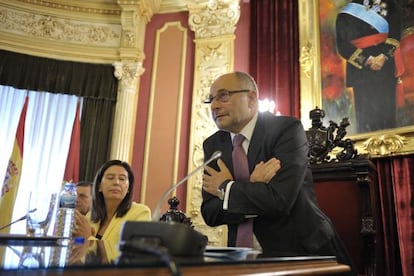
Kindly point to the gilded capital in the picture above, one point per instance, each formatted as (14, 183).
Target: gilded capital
(213, 18)
(145, 8)
(127, 74)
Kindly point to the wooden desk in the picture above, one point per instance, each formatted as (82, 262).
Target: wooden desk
(321, 267)
(95, 263)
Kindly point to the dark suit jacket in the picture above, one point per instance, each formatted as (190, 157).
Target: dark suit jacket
(289, 221)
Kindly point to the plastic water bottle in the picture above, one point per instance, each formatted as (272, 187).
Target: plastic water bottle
(66, 213)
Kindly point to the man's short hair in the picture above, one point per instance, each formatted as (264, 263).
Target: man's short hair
(84, 184)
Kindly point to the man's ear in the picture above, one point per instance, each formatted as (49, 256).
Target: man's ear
(253, 100)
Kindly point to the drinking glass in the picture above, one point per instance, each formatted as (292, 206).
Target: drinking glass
(32, 257)
(40, 212)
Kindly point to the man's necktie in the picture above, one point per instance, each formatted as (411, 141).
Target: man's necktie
(241, 172)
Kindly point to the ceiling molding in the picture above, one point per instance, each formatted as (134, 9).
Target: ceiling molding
(170, 6)
(79, 30)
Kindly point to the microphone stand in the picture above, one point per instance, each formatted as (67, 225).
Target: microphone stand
(176, 239)
(156, 215)
(17, 220)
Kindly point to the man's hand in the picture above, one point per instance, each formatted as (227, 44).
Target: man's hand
(376, 62)
(264, 171)
(213, 179)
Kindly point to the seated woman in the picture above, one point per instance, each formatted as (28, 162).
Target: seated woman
(111, 204)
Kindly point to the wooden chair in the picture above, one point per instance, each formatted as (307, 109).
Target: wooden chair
(345, 187)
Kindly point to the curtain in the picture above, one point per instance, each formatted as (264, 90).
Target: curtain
(404, 198)
(47, 133)
(95, 83)
(396, 207)
(274, 56)
(57, 76)
(95, 138)
(72, 161)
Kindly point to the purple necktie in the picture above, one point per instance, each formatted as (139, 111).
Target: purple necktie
(241, 172)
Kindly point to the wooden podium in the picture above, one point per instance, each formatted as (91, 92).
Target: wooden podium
(345, 186)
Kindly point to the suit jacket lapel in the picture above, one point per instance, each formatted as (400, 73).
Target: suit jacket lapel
(226, 148)
(256, 142)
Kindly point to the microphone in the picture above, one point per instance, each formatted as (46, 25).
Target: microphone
(156, 215)
(22, 218)
(178, 239)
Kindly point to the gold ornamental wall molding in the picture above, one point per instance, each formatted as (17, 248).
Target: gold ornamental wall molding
(59, 29)
(88, 31)
(213, 23)
(309, 59)
(385, 144)
(69, 7)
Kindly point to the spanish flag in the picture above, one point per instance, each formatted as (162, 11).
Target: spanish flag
(13, 173)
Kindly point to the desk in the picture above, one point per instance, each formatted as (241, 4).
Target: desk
(93, 259)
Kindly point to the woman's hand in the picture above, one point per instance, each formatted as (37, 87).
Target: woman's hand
(78, 252)
(82, 226)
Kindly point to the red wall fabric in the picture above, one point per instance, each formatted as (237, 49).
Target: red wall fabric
(242, 41)
(403, 177)
(274, 54)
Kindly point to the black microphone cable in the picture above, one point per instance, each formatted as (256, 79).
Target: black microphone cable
(151, 246)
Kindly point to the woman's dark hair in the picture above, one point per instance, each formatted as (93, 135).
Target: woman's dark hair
(98, 212)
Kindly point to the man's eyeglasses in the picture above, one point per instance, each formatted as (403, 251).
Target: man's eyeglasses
(223, 95)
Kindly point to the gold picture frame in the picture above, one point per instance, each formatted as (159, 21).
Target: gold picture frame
(389, 142)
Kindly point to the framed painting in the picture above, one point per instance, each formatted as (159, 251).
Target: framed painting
(381, 123)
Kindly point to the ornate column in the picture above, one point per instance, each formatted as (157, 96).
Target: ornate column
(214, 23)
(134, 17)
(128, 74)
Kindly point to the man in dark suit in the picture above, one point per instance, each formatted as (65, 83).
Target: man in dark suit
(279, 195)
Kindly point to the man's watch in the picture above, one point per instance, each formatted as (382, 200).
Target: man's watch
(220, 194)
